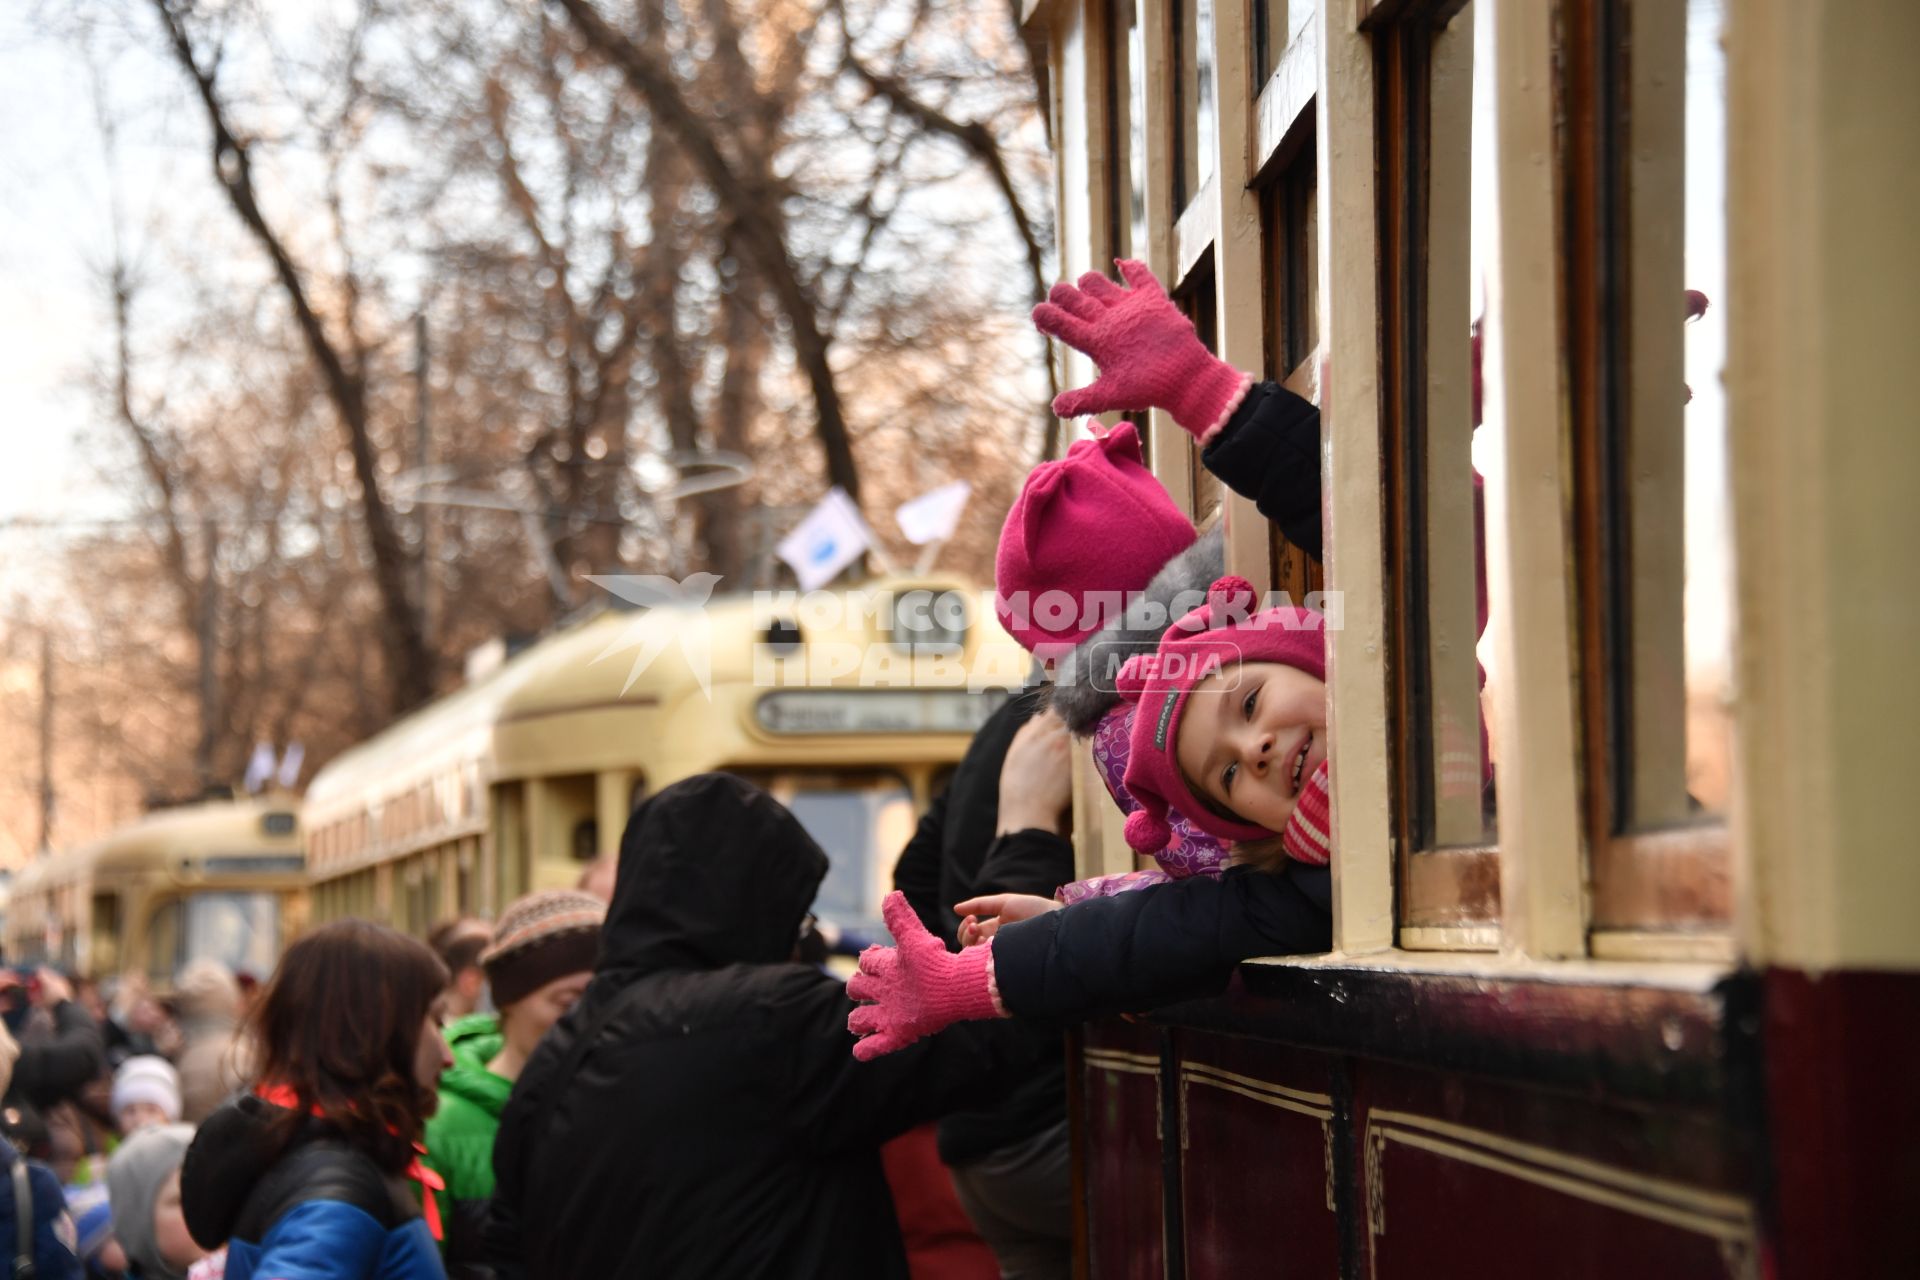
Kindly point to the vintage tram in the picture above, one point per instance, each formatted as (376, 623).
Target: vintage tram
(849, 706)
(217, 880)
(1655, 1011)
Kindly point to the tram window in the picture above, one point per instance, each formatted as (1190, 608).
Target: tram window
(1661, 553)
(1116, 56)
(1194, 104)
(1136, 127)
(1289, 214)
(1439, 234)
(163, 940)
(1199, 298)
(103, 950)
(586, 840)
(1290, 233)
(241, 930)
(1276, 24)
(862, 818)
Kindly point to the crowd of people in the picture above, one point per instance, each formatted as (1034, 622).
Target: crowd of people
(652, 1074)
(103, 1086)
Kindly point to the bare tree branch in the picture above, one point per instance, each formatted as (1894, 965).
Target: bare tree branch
(411, 663)
(759, 225)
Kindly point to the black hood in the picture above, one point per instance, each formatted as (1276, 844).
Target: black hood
(245, 1169)
(713, 871)
(233, 1149)
(1082, 690)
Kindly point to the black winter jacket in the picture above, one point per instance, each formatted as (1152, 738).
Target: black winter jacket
(1159, 945)
(1171, 942)
(1270, 451)
(700, 1113)
(954, 855)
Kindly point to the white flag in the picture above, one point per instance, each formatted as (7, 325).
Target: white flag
(831, 537)
(934, 515)
(259, 767)
(290, 761)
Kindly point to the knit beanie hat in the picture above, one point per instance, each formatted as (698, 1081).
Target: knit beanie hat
(147, 1078)
(1095, 523)
(139, 1168)
(1220, 634)
(541, 937)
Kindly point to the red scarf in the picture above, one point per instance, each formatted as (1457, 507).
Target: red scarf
(282, 1095)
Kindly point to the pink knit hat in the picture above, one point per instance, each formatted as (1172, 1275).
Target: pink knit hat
(1221, 633)
(1094, 523)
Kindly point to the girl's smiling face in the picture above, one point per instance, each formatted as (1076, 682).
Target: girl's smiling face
(1250, 736)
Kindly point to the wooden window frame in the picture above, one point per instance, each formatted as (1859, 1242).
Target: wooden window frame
(1662, 885)
(1330, 78)
(1448, 881)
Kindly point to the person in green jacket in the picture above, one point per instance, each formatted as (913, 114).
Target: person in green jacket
(538, 963)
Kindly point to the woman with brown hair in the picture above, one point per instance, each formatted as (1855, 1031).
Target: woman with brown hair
(316, 1171)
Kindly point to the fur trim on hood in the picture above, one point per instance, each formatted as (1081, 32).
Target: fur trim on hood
(1083, 688)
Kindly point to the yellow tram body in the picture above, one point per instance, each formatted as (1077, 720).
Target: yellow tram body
(1651, 1013)
(848, 706)
(221, 880)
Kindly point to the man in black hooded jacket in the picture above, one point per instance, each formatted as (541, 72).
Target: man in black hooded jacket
(699, 1113)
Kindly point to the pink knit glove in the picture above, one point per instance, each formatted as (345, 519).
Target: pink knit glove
(1308, 835)
(917, 988)
(1148, 353)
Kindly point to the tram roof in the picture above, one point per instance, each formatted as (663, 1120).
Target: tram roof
(591, 664)
(166, 835)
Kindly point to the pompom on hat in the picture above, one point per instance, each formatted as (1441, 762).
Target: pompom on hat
(1220, 634)
(1096, 522)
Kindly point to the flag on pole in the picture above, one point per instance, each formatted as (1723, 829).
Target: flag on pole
(290, 761)
(259, 767)
(831, 537)
(934, 515)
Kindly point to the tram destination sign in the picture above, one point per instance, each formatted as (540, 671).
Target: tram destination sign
(828, 711)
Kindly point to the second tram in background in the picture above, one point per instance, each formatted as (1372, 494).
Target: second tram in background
(851, 712)
(217, 880)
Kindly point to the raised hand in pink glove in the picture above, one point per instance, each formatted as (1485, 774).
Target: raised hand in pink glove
(918, 987)
(1148, 353)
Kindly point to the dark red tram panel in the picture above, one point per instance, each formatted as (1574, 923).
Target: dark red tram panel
(1257, 1146)
(1122, 1152)
(1377, 1125)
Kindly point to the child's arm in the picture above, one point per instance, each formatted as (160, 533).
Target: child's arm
(1269, 451)
(1260, 439)
(1158, 945)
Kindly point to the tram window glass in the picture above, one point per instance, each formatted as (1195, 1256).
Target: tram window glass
(1116, 54)
(1663, 553)
(103, 950)
(1438, 236)
(1136, 126)
(1199, 298)
(862, 818)
(1276, 24)
(1289, 213)
(1195, 119)
(1290, 234)
(239, 929)
(163, 940)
